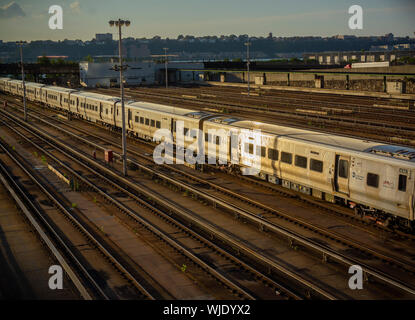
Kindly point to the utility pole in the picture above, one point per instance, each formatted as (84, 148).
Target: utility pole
(165, 56)
(119, 23)
(248, 44)
(165, 66)
(23, 82)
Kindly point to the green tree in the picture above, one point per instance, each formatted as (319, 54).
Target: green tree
(88, 58)
(43, 60)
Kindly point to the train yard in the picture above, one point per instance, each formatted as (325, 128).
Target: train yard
(172, 232)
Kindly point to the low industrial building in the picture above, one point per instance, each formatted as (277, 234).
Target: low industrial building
(330, 58)
(101, 73)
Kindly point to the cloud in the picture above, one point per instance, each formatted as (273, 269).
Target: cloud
(75, 6)
(11, 10)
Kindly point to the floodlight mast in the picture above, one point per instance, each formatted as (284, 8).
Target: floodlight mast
(119, 23)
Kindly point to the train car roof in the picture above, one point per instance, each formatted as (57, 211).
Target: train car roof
(333, 140)
(59, 89)
(96, 96)
(35, 84)
(399, 152)
(195, 114)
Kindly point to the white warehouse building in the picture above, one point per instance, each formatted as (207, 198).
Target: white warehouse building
(102, 74)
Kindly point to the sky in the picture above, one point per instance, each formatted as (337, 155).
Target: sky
(82, 19)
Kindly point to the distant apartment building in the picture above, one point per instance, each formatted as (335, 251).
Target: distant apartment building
(101, 37)
(345, 37)
(400, 46)
(358, 56)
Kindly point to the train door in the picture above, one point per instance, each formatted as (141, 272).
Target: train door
(234, 147)
(412, 195)
(129, 118)
(342, 173)
(166, 124)
(100, 110)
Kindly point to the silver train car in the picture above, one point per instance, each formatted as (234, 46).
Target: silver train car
(377, 180)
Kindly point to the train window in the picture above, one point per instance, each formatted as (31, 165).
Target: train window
(286, 157)
(206, 136)
(344, 169)
(136, 118)
(147, 121)
(372, 180)
(185, 131)
(142, 120)
(402, 183)
(96, 108)
(153, 123)
(217, 140)
(316, 165)
(106, 111)
(261, 151)
(273, 154)
(249, 148)
(158, 124)
(301, 162)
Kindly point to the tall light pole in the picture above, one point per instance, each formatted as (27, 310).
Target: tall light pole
(165, 66)
(23, 83)
(119, 23)
(248, 44)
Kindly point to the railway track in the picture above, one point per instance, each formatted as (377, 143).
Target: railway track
(280, 289)
(46, 234)
(290, 100)
(309, 98)
(91, 287)
(283, 103)
(270, 226)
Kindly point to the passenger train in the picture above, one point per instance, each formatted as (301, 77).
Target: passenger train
(375, 179)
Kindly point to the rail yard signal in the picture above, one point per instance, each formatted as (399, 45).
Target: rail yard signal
(248, 44)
